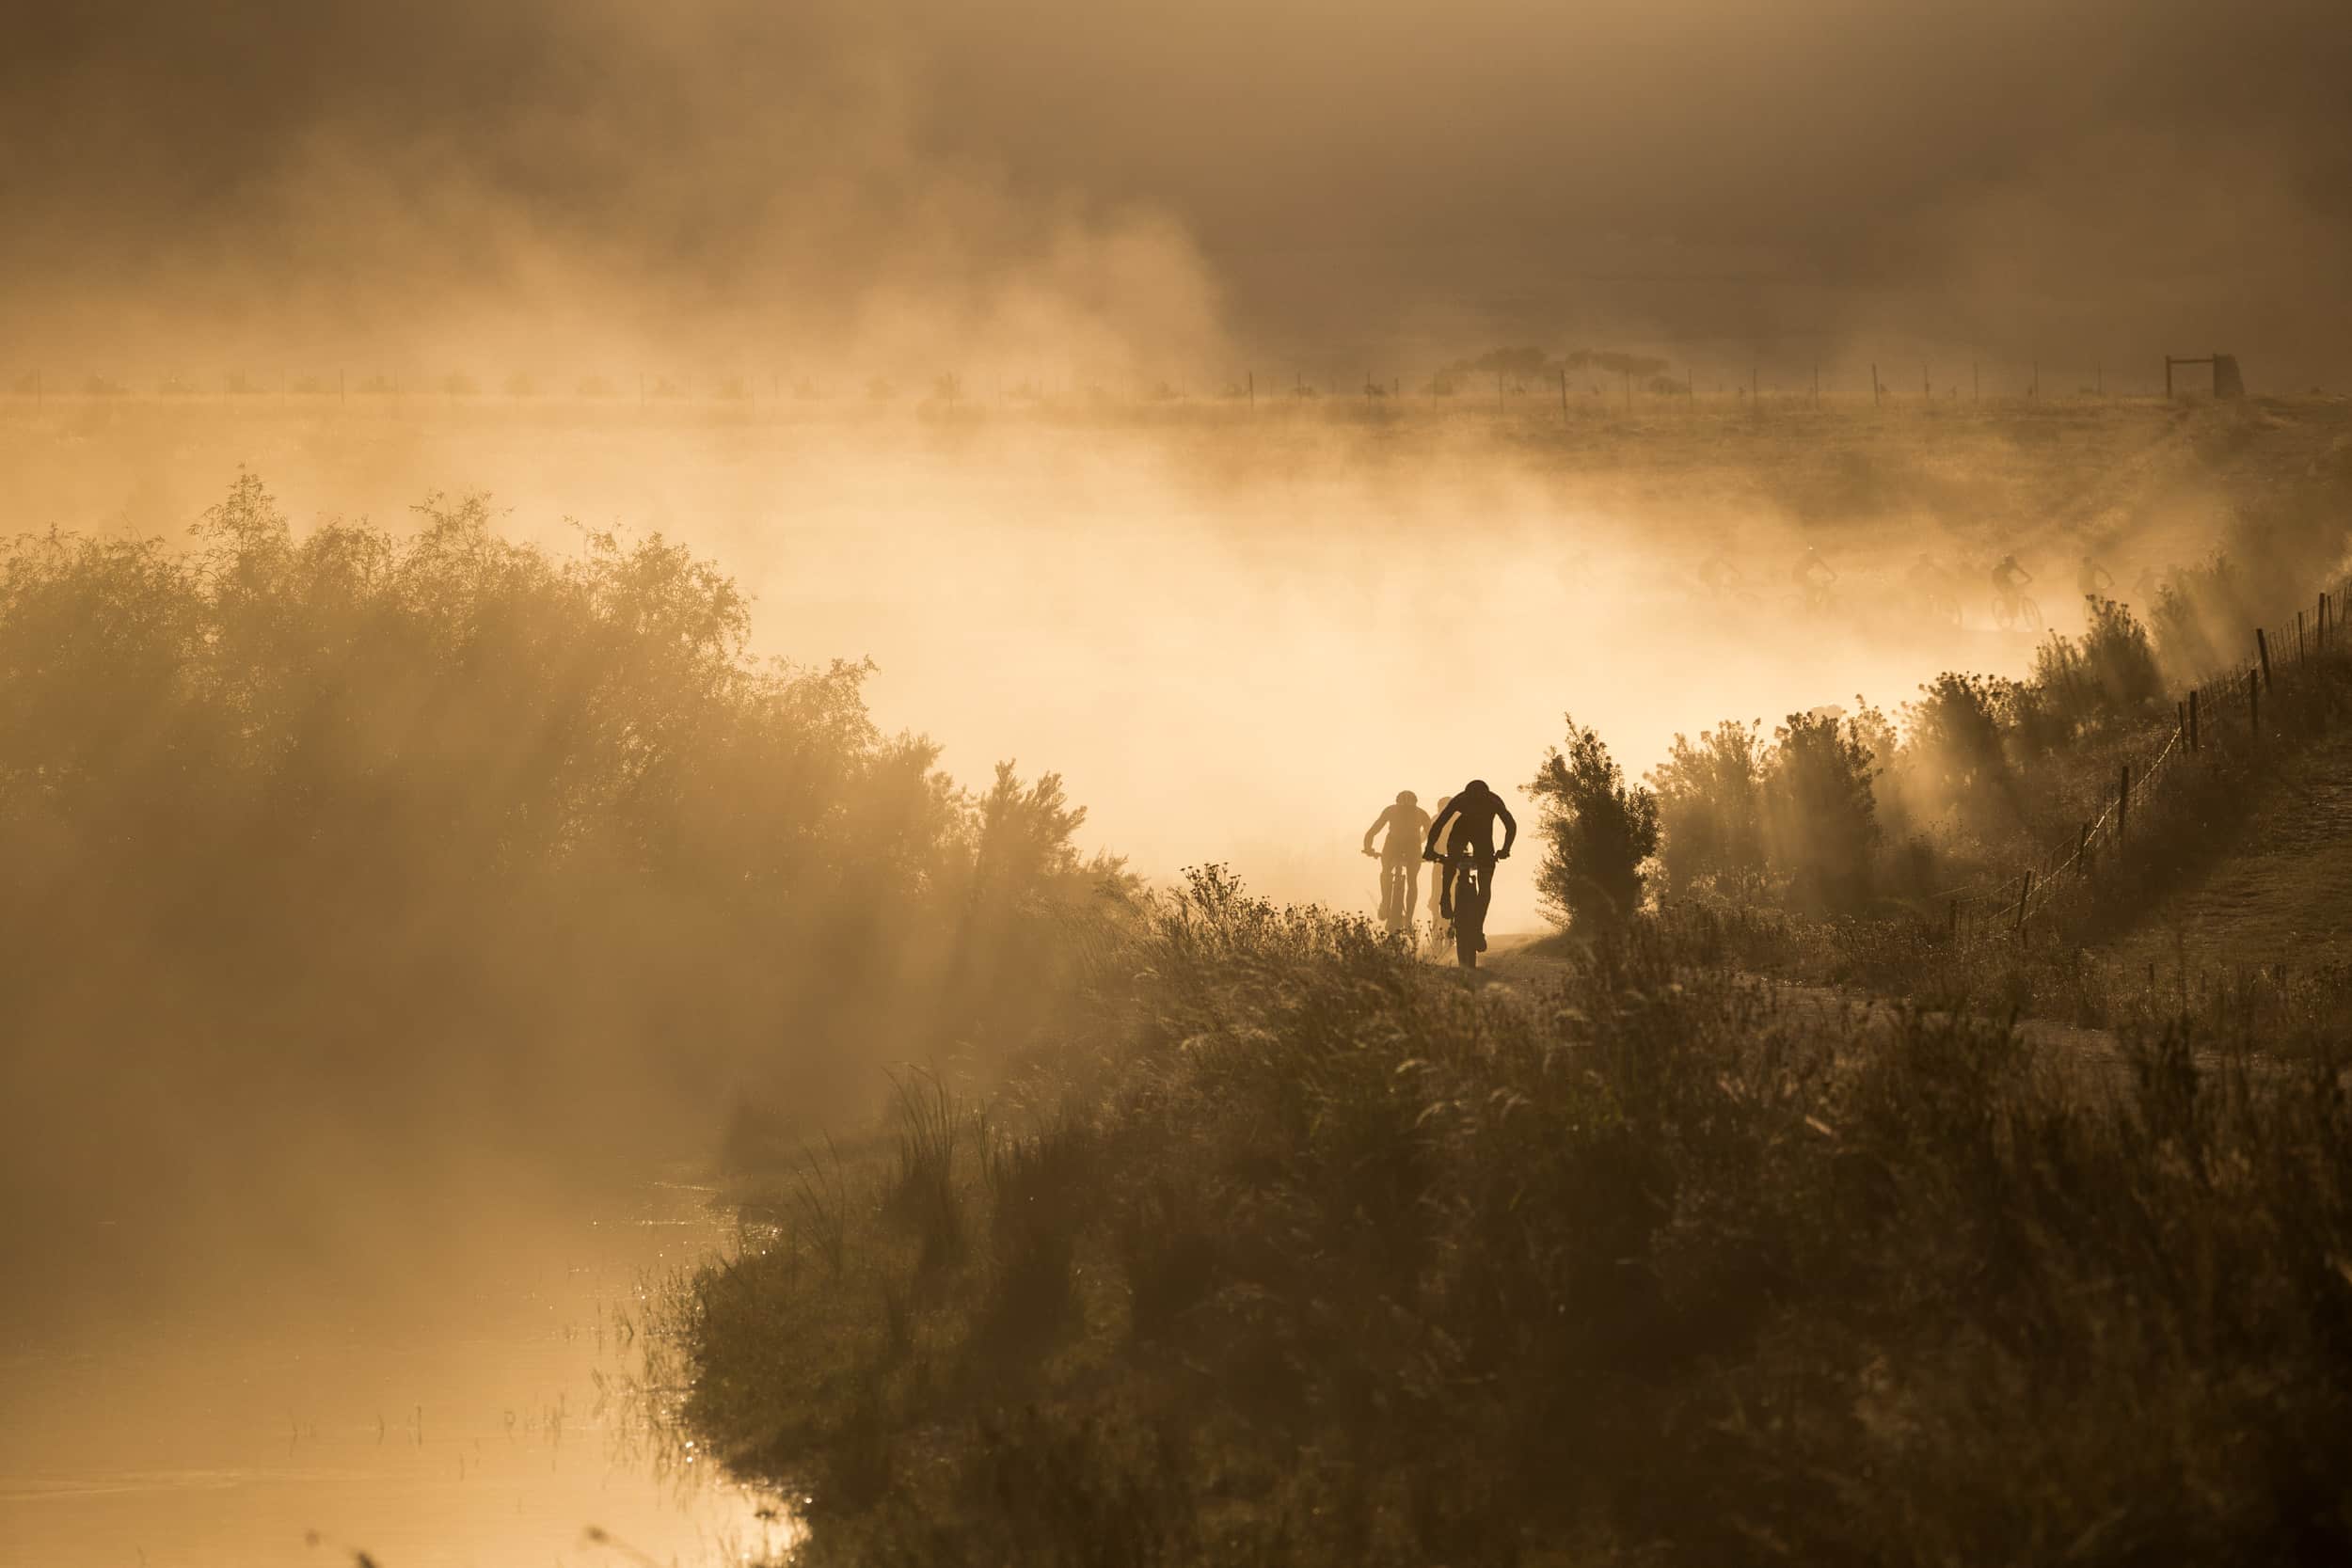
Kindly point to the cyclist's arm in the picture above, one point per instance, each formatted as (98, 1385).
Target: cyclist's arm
(1429, 844)
(1510, 828)
(1377, 823)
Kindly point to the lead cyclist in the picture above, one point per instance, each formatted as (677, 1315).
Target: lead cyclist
(1465, 825)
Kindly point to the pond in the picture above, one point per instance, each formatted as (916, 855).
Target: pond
(485, 1403)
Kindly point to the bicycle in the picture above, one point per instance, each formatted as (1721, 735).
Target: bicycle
(1396, 895)
(1813, 603)
(1938, 606)
(1473, 890)
(2015, 611)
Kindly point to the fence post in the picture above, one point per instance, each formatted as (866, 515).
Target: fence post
(2082, 849)
(2192, 720)
(2254, 705)
(2123, 803)
(2262, 647)
(2025, 892)
(2299, 637)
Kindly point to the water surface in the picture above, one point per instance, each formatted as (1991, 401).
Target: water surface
(486, 1405)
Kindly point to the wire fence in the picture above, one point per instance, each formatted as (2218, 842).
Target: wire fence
(1719, 376)
(2226, 707)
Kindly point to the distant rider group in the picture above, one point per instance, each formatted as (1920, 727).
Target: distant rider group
(1931, 589)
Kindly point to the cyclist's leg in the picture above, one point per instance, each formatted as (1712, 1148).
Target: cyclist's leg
(1409, 874)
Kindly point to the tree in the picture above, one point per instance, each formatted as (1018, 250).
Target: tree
(1597, 833)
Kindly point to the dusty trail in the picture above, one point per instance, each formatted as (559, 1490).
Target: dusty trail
(1516, 960)
(2282, 893)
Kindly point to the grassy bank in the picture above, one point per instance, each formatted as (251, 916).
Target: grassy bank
(1318, 1255)
(2104, 944)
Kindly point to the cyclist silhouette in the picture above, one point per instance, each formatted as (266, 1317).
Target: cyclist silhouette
(1466, 826)
(1720, 577)
(1813, 577)
(2009, 581)
(1931, 590)
(1399, 855)
(2093, 580)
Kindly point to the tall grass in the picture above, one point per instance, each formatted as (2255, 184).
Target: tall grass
(1348, 1262)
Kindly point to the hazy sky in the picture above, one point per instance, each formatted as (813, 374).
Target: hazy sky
(1074, 178)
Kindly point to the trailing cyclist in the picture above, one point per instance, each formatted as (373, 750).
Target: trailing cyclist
(1399, 856)
(1813, 577)
(2093, 580)
(2009, 586)
(1466, 826)
(1932, 594)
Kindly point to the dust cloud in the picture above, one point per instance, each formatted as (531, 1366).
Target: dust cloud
(1087, 372)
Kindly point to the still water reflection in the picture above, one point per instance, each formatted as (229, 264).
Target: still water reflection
(496, 1415)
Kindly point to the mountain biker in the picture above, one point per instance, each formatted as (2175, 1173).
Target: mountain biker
(1719, 577)
(2009, 581)
(1813, 577)
(1466, 824)
(1931, 589)
(2093, 580)
(1407, 824)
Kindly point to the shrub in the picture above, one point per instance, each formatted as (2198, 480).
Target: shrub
(1597, 833)
(2110, 675)
(1954, 758)
(1820, 817)
(1710, 811)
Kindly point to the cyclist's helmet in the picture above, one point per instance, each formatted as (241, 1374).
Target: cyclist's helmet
(1406, 799)
(1474, 788)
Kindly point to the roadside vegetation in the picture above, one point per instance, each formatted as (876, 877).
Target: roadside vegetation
(367, 847)
(1311, 1254)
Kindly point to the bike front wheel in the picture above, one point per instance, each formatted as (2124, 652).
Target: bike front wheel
(1470, 915)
